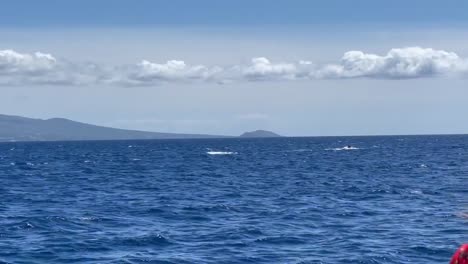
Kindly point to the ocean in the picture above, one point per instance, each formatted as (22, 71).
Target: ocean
(395, 199)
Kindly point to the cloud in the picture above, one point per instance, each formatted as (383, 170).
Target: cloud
(413, 62)
(261, 68)
(45, 69)
(12, 62)
(19, 67)
(147, 72)
(404, 63)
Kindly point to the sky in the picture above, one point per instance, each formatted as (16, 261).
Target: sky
(298, 68)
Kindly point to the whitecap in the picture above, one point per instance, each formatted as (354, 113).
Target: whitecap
(301, 150)
(343, 148)
(463, 215)
(416, 192)
(88, 218)
(221, 153)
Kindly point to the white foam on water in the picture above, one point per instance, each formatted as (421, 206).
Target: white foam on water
(463, 215)
(343, 148)
(221, 153)
(88, 218)
(301, 150)
(416, 192)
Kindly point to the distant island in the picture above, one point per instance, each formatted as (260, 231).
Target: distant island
(259, 134)
(17, 128)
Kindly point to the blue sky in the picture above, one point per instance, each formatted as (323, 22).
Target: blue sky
(126, 13)
(298, 68)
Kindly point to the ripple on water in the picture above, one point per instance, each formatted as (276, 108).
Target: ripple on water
(280, 200)
(144, 241)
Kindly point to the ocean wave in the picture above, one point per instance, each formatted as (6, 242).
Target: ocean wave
(89, 218)
(463, 215)
(280, 240)
(182, 205)
(146, 240)
(343, 148)
(301, 150)
(221, 153)
(419, 192)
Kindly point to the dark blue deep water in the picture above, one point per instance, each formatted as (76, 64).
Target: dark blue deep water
(289, 200)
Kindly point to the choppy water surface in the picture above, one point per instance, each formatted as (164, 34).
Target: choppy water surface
(287, 200)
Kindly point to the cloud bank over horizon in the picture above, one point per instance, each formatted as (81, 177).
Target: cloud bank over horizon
(39, 68)
(44, 69)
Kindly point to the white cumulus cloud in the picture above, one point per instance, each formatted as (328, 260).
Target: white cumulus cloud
(412, 62)
(12, 62)
(43, 69)
(147, 72)
(261, 68)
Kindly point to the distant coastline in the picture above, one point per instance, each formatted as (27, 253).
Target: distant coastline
(18, 129)
(21, 129)
(259, 134)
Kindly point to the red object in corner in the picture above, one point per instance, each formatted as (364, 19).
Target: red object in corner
(461, 255)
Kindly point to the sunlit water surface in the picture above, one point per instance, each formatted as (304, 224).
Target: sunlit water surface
(286, 200)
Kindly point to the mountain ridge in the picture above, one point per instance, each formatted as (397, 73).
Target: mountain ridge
(259, 134)
(19, 128)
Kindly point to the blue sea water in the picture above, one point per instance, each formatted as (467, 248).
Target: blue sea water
(394, 199)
